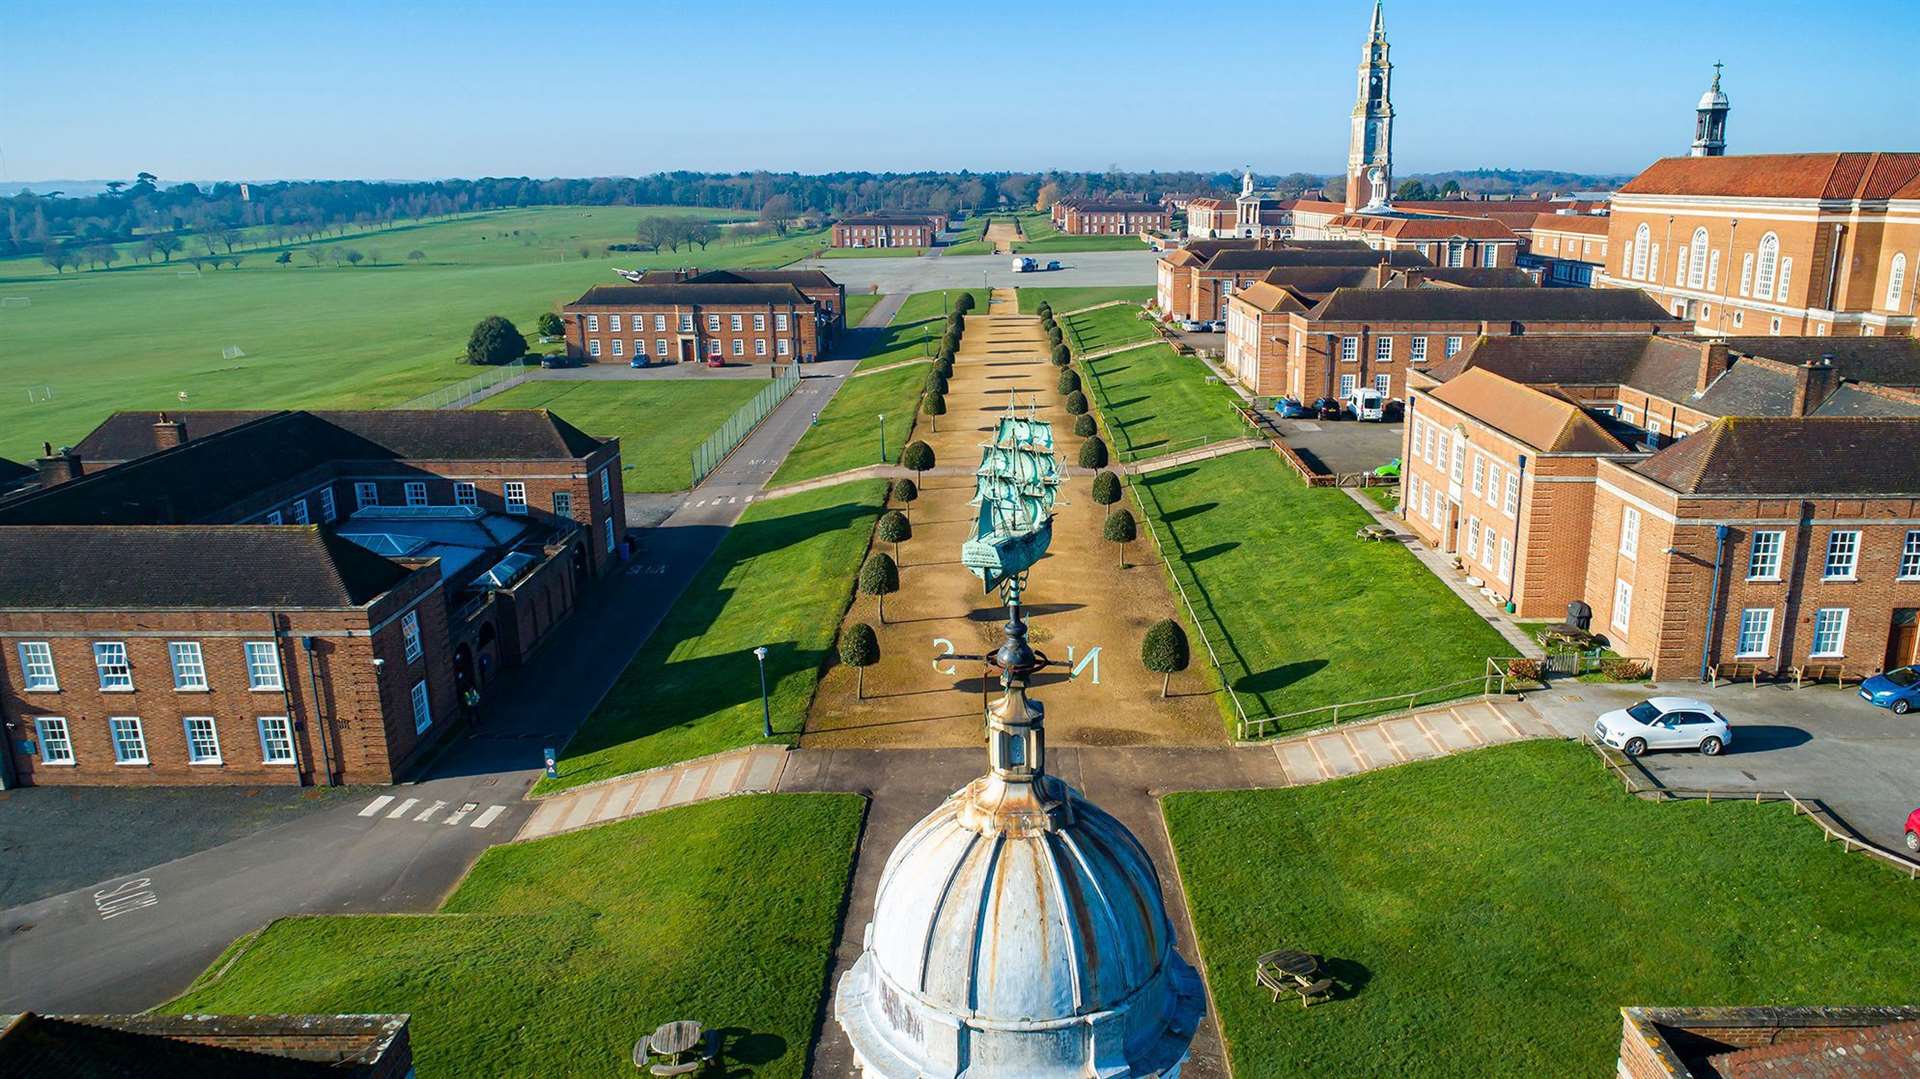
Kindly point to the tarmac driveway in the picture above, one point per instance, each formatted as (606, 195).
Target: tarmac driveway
(1819, 742)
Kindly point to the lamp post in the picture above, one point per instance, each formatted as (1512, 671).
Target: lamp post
(883, 438)
(766, 712)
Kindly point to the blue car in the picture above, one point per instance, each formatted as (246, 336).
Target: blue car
(1290, 409)
(1898, 689)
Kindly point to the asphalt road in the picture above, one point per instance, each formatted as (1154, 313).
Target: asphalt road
(132, 941)
(908, 275)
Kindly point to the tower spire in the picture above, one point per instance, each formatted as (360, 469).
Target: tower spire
(1710, 120)
(1370, 151)
(1379, 32)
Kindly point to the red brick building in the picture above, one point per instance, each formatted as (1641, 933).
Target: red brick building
(1873, 1042)
(1090, 218)
(1566, 248)
(276, 1046)
(828, 295)
(287, 597)
(1782, 530)
(707, 320)
(887, 230)
(1195, 281)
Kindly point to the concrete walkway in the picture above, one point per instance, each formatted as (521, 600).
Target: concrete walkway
(1115, 350)
(1352, 748)
(1199, 453)
(890, 366)
(1095, 307)
(1002, 232)
(754, 769)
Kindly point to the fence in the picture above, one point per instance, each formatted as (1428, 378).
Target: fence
(468, 390)
(741, 424)
(1490, 683)
(1818, 814)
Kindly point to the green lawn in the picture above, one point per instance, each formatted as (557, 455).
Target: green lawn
(555, 956)
(1491, 913)
(782, 578)
(935, 305)
(847, 434)
(1301, 612)
(969, 247)
(1069, 299)
(660, 422)
(1154, 401)
(1387, 498)
(1091, 331)
(859, 304)
(343, 337)
(913, 334)
(873, 252)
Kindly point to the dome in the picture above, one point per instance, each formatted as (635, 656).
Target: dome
(1713, 98)
(1019, 930)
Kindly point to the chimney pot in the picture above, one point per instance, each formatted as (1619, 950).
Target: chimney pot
(168, 433)
(59, 468)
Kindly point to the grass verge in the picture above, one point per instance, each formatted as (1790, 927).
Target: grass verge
(858, 304)
(1154, 401)
(782, 578)
(555, 956)
(659, 422)
(1490, 913)
(1104, 328)
(1069, 299)
(848, 433)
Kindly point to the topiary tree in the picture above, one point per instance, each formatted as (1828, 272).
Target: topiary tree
(1085, 427)
(1120, 529)
(1164, 651)
(1054, 335)
(495, 340)
(963, 303)
(894, 529)
(879, 578)
(1093, 453)
(1106, 488)
(550, 325)
(860, 649)
(905, 490)
(1045, 311)
(936, 382)
(935, 405)
(1061, 357)
(1069, 381)
(918, 456)
(1076, 403)
(950, 344)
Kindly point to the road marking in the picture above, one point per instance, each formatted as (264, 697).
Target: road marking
(491, 814)
(427, 814)
(122, 898)
(376, 805)
(459, 814)
(401, 809)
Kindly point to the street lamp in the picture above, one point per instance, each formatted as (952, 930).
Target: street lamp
(883, 438)
(766, 712)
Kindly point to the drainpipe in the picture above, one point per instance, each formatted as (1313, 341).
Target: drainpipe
(1713, 597)
(1519, 526)
(308, 644)
(286, 695)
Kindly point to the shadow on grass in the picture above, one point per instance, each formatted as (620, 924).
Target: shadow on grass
(742, 1046)
(1184, 512)
(1280, 677)
(1212, 550)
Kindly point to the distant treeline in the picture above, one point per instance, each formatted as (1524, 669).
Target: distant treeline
(306, 209)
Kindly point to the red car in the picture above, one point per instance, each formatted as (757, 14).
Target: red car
(1913, 831)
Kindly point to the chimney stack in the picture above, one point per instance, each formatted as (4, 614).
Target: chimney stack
(1815, 381)
(58, 468)
(1714, 360)
(168, 433)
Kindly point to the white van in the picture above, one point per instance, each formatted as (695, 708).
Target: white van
(1369, 404)
(1024, 265)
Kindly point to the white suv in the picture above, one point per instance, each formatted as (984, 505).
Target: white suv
(1664, 723)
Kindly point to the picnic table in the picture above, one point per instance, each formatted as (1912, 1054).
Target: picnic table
(672, 1041)
(1290, 970)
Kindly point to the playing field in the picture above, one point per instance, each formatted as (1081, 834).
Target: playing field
(76, 347)
(659, 422)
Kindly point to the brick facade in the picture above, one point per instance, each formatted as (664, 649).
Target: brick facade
(721, 332)
(886, 231)
(1112, 218)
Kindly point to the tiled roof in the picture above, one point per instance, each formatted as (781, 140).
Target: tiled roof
(1882, 1052)
(1890, 361)
(1784, 176)
(188, 566)
(1794, 457)
(1494, 305)
(1207, 204)
(1428, 228)
(1270, 296)
(13, 473)
(1585, 224)
(202, 1046)
(1849, 400)
(1270, 258)
(686, 292)
(800, 278)
(427, 435)
(1476, 207)
(1547, 420)
(1474, 277)
(1120, 208)
(886, 219)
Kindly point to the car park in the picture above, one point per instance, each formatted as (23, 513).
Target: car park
(1664, 723)
(1897, 690)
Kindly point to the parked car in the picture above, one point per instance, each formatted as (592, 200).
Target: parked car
(1898, 689)
(638, 362)
(1024, 265)
(1327, 408)
(1218, 325)
(1664, 723)
(1290, 409)
(1389, 471)
(1368, 403)
(1913, 831)
(1053, 264)
(1395, 411)
(1193, 325)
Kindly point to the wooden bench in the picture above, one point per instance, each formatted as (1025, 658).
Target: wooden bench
(1739, 672)
(1316, 991)
(1820, 672)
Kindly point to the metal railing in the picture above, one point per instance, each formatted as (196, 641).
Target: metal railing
(468, 390)
(1492, 683)
(738, 426)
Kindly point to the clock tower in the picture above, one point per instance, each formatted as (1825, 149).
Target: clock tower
(1370, 153)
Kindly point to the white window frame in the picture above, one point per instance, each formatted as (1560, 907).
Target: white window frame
(760, 323)
(593, 348)
(1897, 282)
(121, 682)
(1511, 506)
(365, 494)
(1453, 347)
(415, 492)
(759, 346)
(261, 677)
(1383, 350)
(607, 525)
(1763, 553)
(53, 731)
(410, 635)
(1755, 622)
(781, 347)
(300, 513)
(274, 518)
(276, 740)
(1825, 616)
(563, 504)
(329, 512)
(1641, 246)
(593, 323)
(1746, 274)
(1768, 267)
(1487, 539)
(739, 346)
(422, 707)
(613, 323)
(465, 494)
(1910, 557)
(1843, 552)
(514, 494)
(659, 322)
(189, 666)
(606, 485)
(1473, 536)
(37, 672)
(129, 738)
(780, 322)
(1629, 532)
(1506, 560)
(1416, 350)
(619, 346)
(1622, 604)
(211, 731)
(734, 323)
(1349, 349)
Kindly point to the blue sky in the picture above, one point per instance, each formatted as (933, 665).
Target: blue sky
(270, 89)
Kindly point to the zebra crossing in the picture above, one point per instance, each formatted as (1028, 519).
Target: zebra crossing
(424, 810)
(738, 500)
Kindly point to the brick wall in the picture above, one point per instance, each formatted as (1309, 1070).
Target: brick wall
(591, 329)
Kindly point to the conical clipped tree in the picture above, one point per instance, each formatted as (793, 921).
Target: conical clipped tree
(935, 405)
(860, 649)
(1069, 380)
(1084, 426)
(963, 302)
(879, 578)
(936, 382)
(1054, 335)
(1120, 529)
(1076, 403)
(905, 491)
(1164, 651)
(950, 344)
(1093, 453)
(893, 528)
(918, 456)
(1045, 311)
(1106, 488)
(1061, 357)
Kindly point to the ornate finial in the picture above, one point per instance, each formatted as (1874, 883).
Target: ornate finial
(1717, 65)
(1379, 21)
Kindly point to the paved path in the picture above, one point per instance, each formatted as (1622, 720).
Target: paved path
(882, 314)
(1435, 732)
(890, 366)
(1199, 453)
(754, 769)
(1003, 232)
